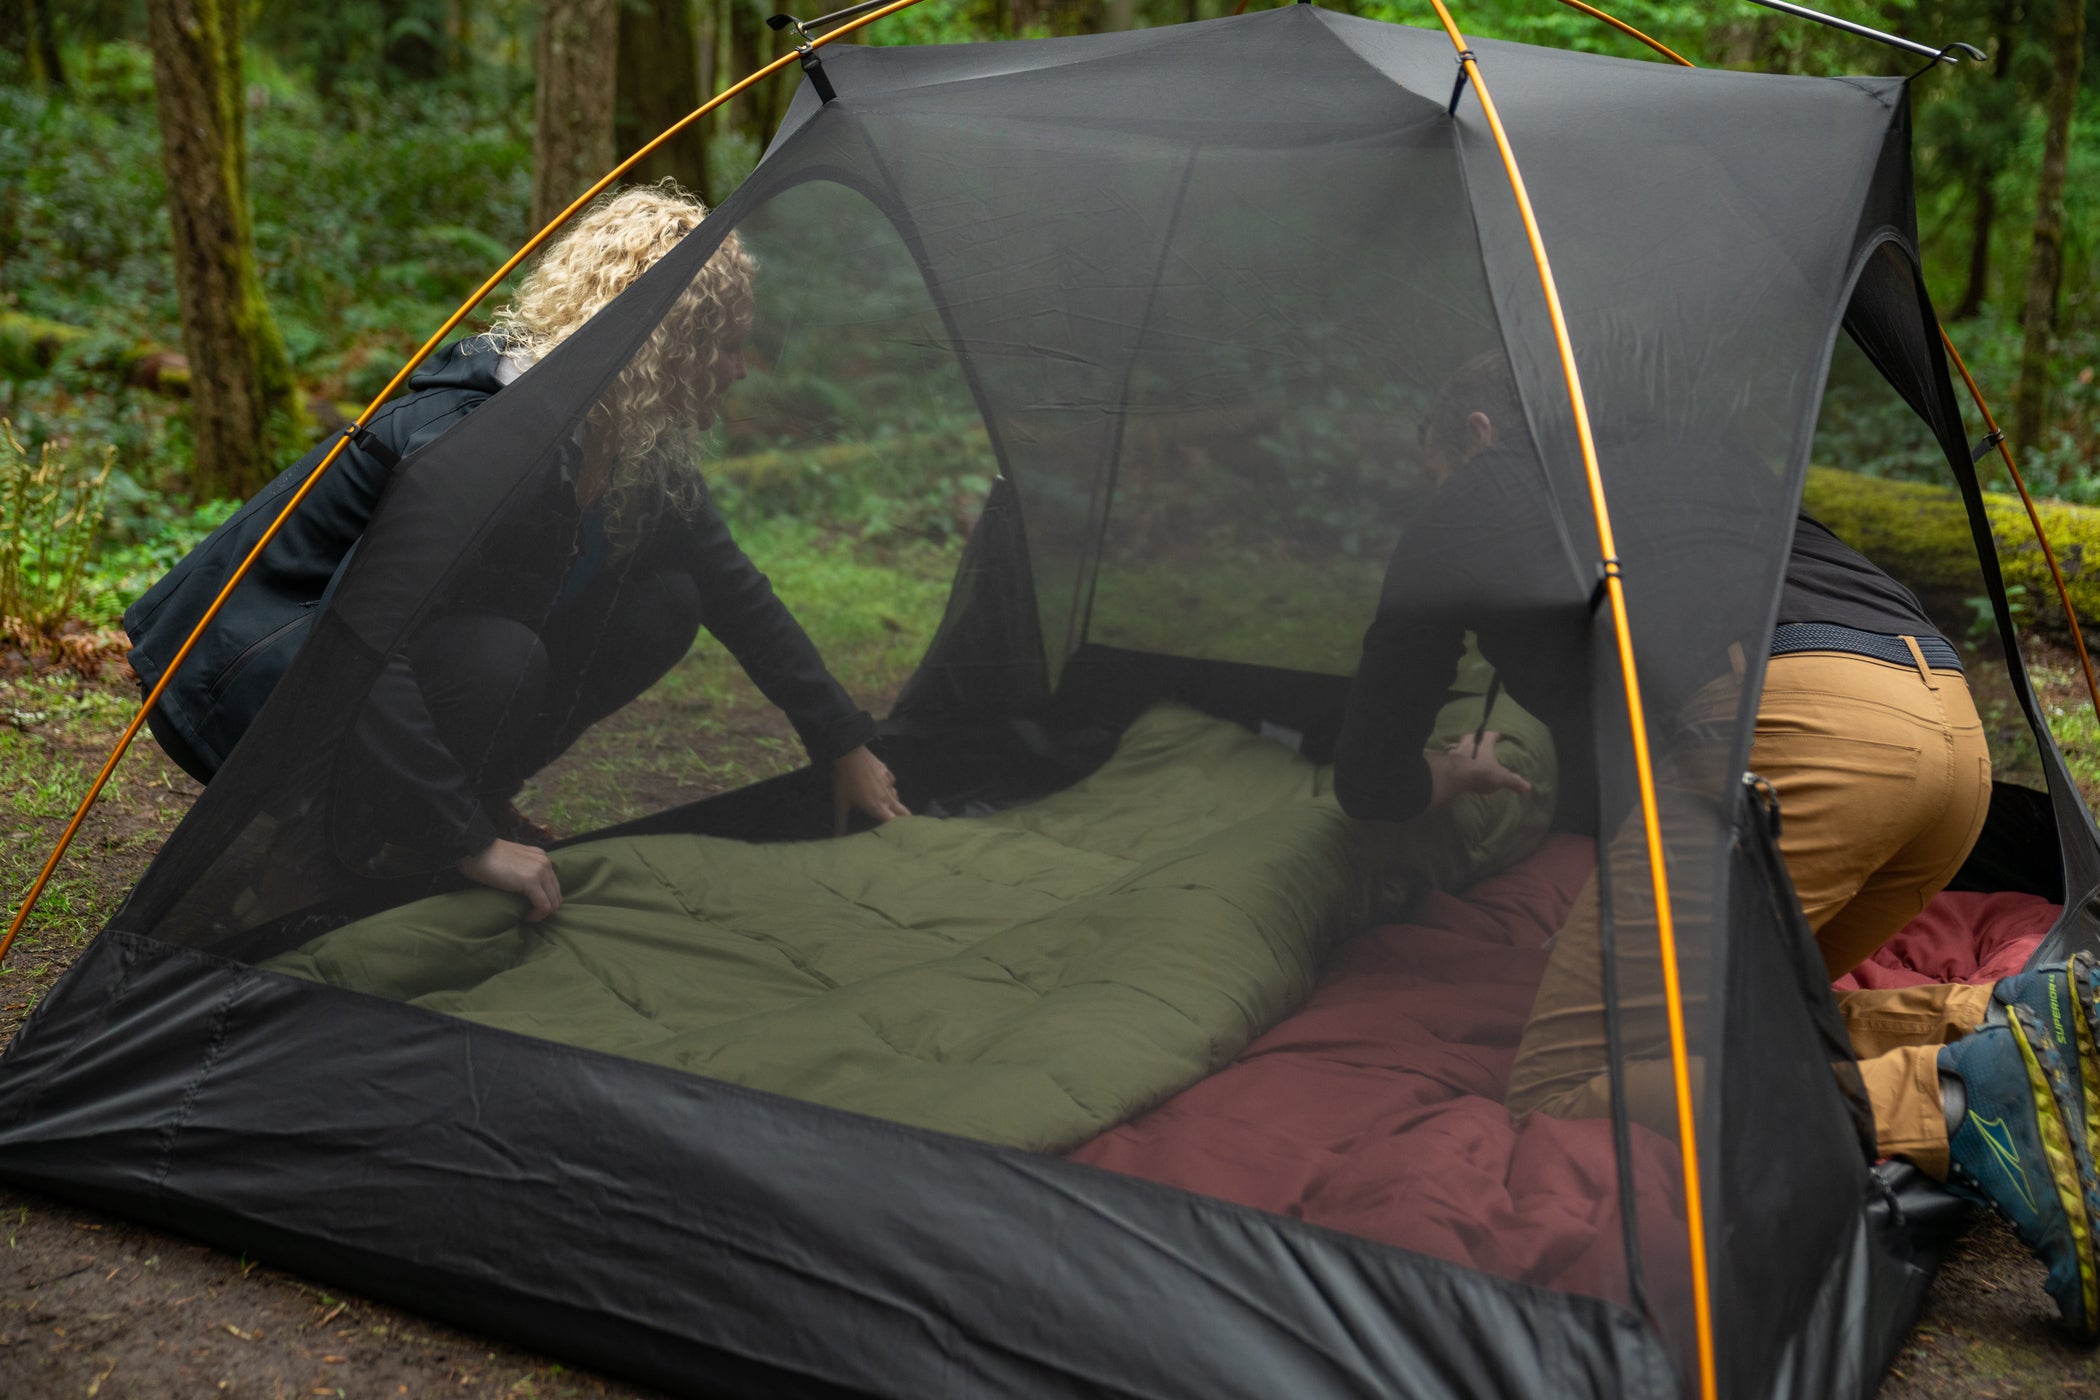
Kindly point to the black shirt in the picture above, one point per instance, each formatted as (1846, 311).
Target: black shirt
(1829, 581)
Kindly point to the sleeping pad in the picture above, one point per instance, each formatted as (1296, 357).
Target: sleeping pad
(1028, 978)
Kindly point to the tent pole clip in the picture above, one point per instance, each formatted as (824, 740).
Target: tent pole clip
(1458, 85)
(1947, 55)
(359, 436)
(1607, 570)
(812, 65)
(1986, 445)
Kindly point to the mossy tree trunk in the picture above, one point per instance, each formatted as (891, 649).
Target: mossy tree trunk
(659, 82)
(572, 109)
(2045, 268)
(245, 409)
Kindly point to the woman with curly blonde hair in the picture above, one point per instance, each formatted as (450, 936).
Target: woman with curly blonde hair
(646, 429)
(585, 592)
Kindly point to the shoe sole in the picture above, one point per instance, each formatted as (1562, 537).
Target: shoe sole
(2069, 1154)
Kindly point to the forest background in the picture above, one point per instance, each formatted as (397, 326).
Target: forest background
(345, 173)
(224, 225)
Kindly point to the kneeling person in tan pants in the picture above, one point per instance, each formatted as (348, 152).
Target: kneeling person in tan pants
(1868, 736)
(1882, 776)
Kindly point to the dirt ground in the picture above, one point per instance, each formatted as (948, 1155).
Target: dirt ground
(94, 1306)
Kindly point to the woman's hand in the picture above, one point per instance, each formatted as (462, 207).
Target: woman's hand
(861, 780)
(525, 870)
(1470, 766)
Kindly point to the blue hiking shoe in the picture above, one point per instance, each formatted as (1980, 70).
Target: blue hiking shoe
(2015, 1150)
(2063, 997)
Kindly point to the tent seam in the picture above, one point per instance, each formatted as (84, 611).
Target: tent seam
(215, 1047)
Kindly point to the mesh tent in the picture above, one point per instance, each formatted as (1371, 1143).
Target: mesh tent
(778, 1114)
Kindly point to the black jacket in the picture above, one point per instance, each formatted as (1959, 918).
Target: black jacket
(238, 662)
(240, 659)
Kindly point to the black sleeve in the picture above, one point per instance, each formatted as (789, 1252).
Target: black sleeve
(413, 788)
(738, 605)
(1403, 680)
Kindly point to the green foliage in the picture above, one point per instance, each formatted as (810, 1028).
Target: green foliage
(1345, 487)
(72, 402)
(374, 213)
(390, 156)
(122, 573)
(1983, 617)
(896, 485)
(83, 228)
(50, 520)
(2077, 733)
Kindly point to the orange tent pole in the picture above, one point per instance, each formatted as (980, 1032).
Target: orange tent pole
(1643, 764)
(1624, 28)
(532, 245)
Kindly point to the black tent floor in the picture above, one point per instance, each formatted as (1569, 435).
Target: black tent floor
(86, 1296)
(89, 1299)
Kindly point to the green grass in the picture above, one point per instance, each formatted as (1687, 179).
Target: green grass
(53, 733)
(1244, 606)
(2078, 735)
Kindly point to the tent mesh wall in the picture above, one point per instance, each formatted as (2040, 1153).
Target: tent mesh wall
(1174, 318)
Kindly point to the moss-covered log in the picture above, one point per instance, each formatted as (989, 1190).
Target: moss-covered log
(1920, 534)
(31, 346)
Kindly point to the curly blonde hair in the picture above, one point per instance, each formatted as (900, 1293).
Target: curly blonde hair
(642, 436)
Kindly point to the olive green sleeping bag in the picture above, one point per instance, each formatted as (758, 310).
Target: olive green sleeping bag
(1029, 978)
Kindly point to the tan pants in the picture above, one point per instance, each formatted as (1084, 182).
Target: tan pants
(1884, 780)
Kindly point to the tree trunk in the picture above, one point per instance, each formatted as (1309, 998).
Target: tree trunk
(459, 36)
(750, 48)
(245, 410)
(1979, 249)
(659, 82)
(1984, 175)
(2045, 269)
(572, 110)
(411, 40)
(28, 32)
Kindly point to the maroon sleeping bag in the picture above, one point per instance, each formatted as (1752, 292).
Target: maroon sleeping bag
(1377, 1108)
